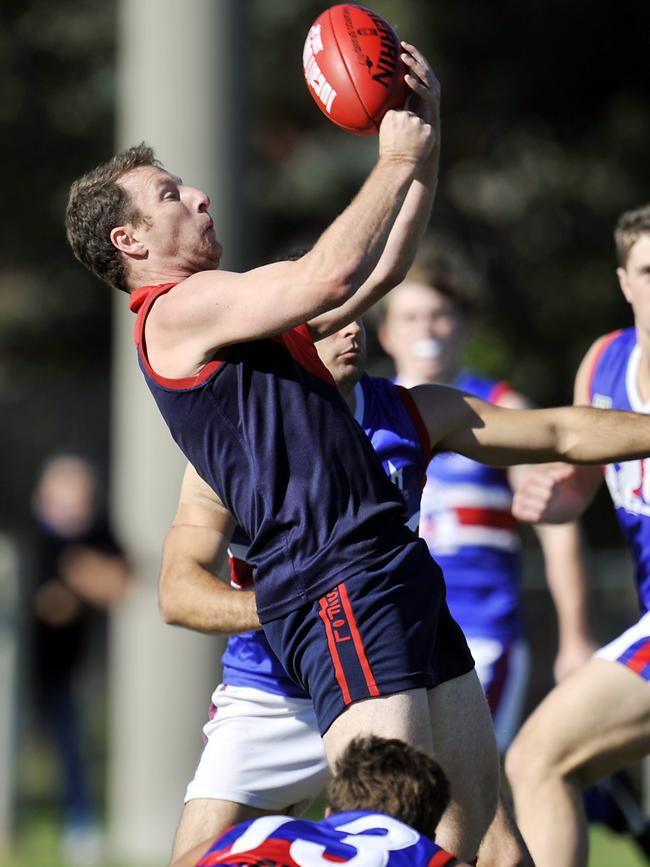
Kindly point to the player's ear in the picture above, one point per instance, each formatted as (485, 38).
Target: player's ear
(621, 273)
(124, 239)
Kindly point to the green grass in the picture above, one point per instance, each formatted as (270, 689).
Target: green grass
(38, 848)
(610, 850)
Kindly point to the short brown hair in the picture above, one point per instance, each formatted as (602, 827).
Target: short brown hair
(389, 776)
(96, 205)
(631, 225)
(442, 270)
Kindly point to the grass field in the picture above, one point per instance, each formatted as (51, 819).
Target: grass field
(38, 848)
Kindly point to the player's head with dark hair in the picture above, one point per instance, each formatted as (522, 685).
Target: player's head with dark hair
(388, 776)
(97, 202)
(630, 227)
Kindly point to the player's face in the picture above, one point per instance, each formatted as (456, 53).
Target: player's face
(423, 332)
(344, 354)
(176, 230)
(635, 282)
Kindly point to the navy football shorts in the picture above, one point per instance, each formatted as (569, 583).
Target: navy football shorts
(377, 633)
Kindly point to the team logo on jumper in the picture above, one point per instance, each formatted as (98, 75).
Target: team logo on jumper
(396, 475)
(332, 608)
(629, 486)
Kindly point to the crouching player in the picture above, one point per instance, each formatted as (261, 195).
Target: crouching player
(384, 804)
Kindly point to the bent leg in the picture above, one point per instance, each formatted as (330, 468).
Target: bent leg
(503, 845)
(464, 744)
(593, 723)
(263, 754)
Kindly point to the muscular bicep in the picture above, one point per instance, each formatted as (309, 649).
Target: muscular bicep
(213, 309)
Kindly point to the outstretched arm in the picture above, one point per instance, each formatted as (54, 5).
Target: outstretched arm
(195, 549)
(414, 215)
(561, 493)
(212, 309)
(493, 435)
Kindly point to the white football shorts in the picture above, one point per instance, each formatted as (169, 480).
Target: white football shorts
(262, 750)
(631, 649)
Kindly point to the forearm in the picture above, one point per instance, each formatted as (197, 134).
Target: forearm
(193, 597)
(585, 435)
(397, 257)
(575, 435)
(566, 579)
(352, 245)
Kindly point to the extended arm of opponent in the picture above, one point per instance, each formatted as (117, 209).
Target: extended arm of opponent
(459, 422)
(195, 549)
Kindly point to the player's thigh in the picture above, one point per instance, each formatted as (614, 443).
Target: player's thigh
(503, 669)
(205, 818)
(403, 715)
(262, 750)
(591, 724)
(463, 736)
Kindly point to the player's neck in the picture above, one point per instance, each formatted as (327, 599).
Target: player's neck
(347, 393)
(154, 276)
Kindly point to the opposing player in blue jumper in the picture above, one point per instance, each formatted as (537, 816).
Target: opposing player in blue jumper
(384, 806)
(598, 721)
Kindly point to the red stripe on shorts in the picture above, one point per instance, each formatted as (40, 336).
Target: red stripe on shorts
(440, 859)
(336, 659)
(358, 643)
(640, 659)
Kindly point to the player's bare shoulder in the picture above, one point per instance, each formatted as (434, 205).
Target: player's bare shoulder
(182, 330)
(581, 390)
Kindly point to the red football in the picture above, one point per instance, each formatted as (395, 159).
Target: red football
(353, 67)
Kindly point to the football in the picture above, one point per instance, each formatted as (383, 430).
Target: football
(353, 67)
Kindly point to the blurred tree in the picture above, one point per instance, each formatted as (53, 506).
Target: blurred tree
(56, 115)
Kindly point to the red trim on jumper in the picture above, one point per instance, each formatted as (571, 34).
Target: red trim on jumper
(336, 659)
(142, 300)
(442, 858)
(499, 519)
(418, 423)
(640, 659)
(498, 390)
(358, 643)
(298, 342)
(611, 337)
(241, 572)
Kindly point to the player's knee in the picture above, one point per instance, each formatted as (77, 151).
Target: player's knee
(526, 763)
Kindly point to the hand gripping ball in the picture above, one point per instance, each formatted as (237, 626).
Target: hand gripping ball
(353, 67)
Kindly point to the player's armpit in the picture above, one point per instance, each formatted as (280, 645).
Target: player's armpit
(200, 506)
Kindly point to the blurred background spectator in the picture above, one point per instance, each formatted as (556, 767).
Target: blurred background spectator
(75, 571)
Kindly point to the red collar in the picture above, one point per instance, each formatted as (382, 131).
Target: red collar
(140, 295)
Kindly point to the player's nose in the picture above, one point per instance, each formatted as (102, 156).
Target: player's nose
(200, 200)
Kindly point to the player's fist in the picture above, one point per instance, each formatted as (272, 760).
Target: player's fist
(405, 136)
(543, 494)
